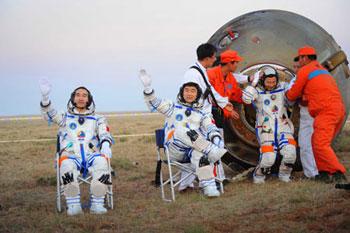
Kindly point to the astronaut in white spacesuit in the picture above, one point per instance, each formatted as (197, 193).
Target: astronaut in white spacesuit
(190, 134)
(274, 129)
(85, 143)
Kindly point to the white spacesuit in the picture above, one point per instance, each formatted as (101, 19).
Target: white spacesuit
(84, 148)
(274, 129)
(190, 134)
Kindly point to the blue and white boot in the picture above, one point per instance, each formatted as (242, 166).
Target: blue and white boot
(209, 188)
(74, 206)
(97, 205)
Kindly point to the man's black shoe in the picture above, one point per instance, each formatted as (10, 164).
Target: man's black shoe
(323, 177)
(339, 177)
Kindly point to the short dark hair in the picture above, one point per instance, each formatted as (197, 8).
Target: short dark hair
(312, 57)
(205, 50)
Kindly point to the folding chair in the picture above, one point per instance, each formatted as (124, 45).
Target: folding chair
(82, 179)
(174, 179)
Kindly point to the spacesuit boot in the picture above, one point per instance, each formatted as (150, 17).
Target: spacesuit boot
(74, 206)
(209, 188)
(205, 173)
(259, 175)
(97, 205)
(289, 156)
(72, 194)
(74, 209)
(284, 173)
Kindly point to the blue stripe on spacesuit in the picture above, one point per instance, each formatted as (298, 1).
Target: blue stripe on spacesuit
(64, 136)
(282, 144)
(154, 104)
(170, 110)
(192, 109)
(86, 117)
(212, 128)
(283, 141)
(248, 94)
(49, 119)
(315, 73)
(90, 118)
(275, 134)
(50, 115)
(256, 120)
(73, 200)
(257, 134)
(76, 161)
(83, 162)
(188, 156)
(180, 145)
(272, 92)
(92, 159)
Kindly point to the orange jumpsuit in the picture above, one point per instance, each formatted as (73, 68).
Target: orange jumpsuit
(225, 86)
(320, 91)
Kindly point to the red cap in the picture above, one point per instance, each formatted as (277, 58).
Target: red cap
(304, 51)
(229, 56)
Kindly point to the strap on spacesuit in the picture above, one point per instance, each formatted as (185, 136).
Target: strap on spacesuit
(266, 148)
(84, 168)
(292, 141)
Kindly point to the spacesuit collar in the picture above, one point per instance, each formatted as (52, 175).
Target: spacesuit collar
(73, 110)
(194, 106)
(86, 112)
(278, 88)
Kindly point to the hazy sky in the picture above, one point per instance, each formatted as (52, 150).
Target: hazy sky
(102, 45)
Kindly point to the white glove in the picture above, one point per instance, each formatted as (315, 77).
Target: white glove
(106, 149)
(146, 81)
(256, 78)
(45, 89)
(241, 78)
(218, 141)
(249, 94)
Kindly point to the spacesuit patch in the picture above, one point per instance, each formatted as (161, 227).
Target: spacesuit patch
(72, 126)
(179, 117)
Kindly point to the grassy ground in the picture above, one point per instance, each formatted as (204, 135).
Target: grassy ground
(27, 196)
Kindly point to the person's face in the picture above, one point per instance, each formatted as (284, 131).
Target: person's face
(270, 83)
(81, 98)
(303, 60)
(210, 61)
(233, 66)
(296, 67)
(190, 94)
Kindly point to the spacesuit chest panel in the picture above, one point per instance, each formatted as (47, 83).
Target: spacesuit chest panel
(270, 104)
(81, 132)
(184, 117)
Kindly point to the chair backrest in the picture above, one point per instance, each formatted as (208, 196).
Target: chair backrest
(160, 138)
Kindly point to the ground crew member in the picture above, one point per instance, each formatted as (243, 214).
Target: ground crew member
(222, 79)
(318, 89)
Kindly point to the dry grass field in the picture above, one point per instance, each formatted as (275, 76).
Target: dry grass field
(27, 191)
